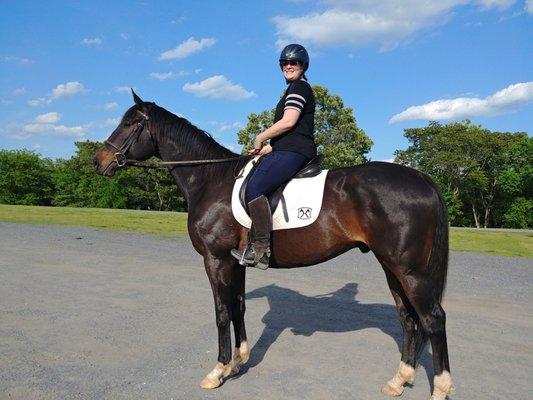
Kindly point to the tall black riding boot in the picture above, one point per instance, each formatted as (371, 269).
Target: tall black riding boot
(259, 251)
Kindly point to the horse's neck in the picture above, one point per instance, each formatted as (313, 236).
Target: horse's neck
(193, 181)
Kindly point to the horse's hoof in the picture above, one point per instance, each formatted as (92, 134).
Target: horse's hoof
(390, 390)
(394, 387)
(215, 377)
(442, 386)
(209, 383)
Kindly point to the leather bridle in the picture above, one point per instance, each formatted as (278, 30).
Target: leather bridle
(120, 152)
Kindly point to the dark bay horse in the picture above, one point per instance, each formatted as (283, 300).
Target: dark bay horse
(396, 212)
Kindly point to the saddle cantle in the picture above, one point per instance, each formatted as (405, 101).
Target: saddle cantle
(295, 203)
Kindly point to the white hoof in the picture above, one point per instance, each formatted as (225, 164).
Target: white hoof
(394, 387)
(390, 390)
(215, 378)
(442, 386)
(208, 383)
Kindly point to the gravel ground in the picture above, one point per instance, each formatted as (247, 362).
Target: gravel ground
(87, 314)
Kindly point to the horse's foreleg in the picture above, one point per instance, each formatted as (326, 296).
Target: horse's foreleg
(220, 276)
(242, 351)
(413, 339)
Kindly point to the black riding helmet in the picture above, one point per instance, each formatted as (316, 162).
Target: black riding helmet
(295, 52)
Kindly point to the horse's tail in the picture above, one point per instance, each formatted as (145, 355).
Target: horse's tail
(438, 259)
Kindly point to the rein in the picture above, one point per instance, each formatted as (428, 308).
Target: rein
(164, 164)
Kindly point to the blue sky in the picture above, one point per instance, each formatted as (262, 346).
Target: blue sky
(65, 65)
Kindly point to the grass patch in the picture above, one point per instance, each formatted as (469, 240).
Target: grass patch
(519, 244)
(164, 223)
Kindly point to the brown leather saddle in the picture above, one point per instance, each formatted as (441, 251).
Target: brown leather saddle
(312, 168)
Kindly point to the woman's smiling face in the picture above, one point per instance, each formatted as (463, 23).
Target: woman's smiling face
(292, 70)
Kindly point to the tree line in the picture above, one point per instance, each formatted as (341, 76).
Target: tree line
(29, 179)
(486, 177)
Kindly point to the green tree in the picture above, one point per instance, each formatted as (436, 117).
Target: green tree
(25, 178)
(79, 186)
(467, 161)
(339, 140)
(151, 189)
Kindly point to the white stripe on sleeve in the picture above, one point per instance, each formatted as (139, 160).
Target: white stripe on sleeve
(296, 96)
(292, 108)
(294, 102)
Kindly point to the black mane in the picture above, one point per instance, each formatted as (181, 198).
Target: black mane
(198, 143)
(182, 132)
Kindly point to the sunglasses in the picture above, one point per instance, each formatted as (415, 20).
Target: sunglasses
(292, 63)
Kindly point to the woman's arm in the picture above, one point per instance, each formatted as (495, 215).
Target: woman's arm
(289, 119)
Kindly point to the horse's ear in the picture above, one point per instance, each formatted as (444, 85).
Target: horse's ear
(136, 98)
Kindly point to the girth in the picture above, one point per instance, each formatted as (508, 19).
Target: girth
(312, 168)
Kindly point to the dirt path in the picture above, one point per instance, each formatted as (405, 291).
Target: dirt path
(86, 314)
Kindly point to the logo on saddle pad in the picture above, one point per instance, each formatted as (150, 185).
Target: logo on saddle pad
(302, 197)
(304, 212)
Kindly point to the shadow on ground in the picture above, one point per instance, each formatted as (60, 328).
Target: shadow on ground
(337, 311)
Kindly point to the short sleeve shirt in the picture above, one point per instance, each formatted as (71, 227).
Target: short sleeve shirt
(300, 138)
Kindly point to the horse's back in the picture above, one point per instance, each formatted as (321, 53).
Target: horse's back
(387, 181)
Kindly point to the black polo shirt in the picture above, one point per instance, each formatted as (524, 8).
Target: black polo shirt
(300, 138)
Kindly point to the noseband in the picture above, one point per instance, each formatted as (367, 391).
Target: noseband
(120, 154)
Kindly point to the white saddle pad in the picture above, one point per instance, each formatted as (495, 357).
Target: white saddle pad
(303, 197)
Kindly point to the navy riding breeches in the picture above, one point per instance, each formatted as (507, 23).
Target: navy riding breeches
(275, 168)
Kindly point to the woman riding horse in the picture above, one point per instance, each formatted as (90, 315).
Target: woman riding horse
(396, 212)
(292, 145)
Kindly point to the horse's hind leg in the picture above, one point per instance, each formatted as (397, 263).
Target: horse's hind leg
(420, 291)
(242, 351)
(413, 338)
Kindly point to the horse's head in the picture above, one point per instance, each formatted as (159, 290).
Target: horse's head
(131, 139)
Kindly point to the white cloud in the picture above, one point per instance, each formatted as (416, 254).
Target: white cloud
(46, 125)
(19, 91)
(66, 89)
(218, 87)
(230, 126)
(61, 90)
(112, 121)
(20, 60)
(92, 41)
(504, 101)
(6, 102)
(500, 4)
(48, 118)
(38, 102)
(529, 6)
(54, 130)
(162, 75)
(221, 127)
(123, 89)
(187, 48)
(124, 36)
(111, 105)
(365, 22)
